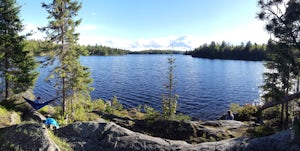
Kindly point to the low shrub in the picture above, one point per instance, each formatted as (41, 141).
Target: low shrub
(271, 116)
(260, 131)
(63, 145)
(244, 113)
(6, 117)
(115, 104)
(98, 104)
(150, 113)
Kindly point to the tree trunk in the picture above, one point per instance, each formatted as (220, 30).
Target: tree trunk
(297, 87)
(6, 89)
(286, 122)
(282, 116)
(6, 80)
(286, 115)
(286, 98)
(64, 97)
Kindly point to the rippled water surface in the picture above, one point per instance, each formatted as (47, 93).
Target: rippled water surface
(205, 87)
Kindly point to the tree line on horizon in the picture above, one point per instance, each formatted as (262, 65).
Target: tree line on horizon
(249, 52)
(39, 48)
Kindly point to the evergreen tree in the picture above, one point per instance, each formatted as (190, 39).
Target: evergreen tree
(16, 65)
(72, 78)
(283, 21)
(278, 80)
(169, 102)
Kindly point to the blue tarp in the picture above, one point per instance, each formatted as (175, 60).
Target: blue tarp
(50, 121)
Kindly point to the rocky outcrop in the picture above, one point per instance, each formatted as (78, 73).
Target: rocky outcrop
(33, 116)
(189, 131)
(109, 136)
(26, 137)
(9, 119)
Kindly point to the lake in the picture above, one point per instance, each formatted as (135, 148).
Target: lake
(206, 87)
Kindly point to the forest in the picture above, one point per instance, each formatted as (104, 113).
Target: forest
(249, 52)
(39, 48)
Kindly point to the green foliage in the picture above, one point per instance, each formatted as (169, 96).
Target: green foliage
(8, 104)
(271, 113)
(105, 51)
(81, 111)
(150, 113)
(62, 144)
(115, 104)
(234, 107)
(169, 100)
(282, 19)
(98, 105)
(16, 65)
(37, 47)
(280, 76)
(43, 48)
(215, 50)
(116, 108)
(244, 113)
(260, 131)
(3, 110)
(73, 79)
(169, 105)
(5, 117)
(296, 126)
(181, 117)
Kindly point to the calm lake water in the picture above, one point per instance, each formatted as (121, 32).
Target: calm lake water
(205, 87)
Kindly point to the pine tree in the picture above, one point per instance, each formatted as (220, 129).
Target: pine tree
(169, 102)
(283, 18)
(278, 79)
(72, 78)
(16, 65)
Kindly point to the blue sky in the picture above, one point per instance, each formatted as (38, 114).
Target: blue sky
(157, 24)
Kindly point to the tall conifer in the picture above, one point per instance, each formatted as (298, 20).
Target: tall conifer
(282, 18)
(72, 78)
(16, 65)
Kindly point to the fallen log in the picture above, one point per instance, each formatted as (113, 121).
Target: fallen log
(285, 99)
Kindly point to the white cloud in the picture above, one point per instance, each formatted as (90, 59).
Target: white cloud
(253, 31)
(33, 29)
(87, 28)
(185, 42)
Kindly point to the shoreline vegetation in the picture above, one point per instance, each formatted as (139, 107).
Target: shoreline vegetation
(248, 51)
